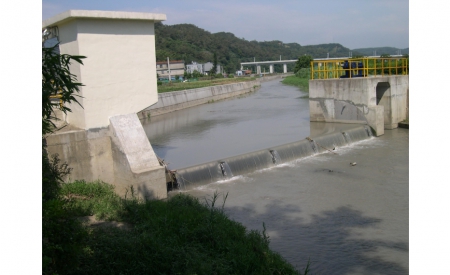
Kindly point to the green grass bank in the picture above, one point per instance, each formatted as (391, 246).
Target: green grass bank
(300, 80)
(179, 86)
(301, 83)
(181, 235)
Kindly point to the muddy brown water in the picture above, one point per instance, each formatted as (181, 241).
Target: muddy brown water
(346, 219)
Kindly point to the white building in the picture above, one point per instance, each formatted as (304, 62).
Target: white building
(176, 69)
(190, 68)
(202, 68)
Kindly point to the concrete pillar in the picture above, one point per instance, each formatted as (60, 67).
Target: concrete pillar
(271, 68)
(284, 68)
(258, 69)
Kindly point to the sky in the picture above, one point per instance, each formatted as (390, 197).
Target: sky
(351, 23)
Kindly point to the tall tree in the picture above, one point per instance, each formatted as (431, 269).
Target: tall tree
(303, 62)
(214, 67)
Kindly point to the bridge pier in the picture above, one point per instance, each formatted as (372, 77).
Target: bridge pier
(271, 70)
(284, 68)
(258, 69)
(380, 102)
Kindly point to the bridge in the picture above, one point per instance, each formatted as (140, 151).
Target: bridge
(285, 62)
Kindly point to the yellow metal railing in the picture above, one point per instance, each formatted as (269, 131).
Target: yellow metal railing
(358, 67)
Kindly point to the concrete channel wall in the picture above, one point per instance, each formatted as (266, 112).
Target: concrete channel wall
(174, 101)
(119, 154)
(381, 101)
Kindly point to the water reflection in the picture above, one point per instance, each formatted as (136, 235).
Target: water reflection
(274, 115)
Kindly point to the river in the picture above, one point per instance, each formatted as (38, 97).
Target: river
(346, 219)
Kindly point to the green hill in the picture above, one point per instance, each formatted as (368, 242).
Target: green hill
(190, 43)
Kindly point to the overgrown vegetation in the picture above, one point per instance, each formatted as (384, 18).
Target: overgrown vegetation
(61, 233)
(300, 79)
(59, 85)
(177, 236)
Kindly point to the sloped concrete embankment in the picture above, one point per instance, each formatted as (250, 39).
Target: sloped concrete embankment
(174, 101)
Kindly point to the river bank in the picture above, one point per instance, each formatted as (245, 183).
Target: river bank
(179, 100)
(181, 235)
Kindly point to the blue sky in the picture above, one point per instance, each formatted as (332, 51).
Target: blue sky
(352, 23)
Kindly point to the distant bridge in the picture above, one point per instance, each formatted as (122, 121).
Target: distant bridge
(285, 62)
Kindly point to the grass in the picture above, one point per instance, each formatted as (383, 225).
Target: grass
(179, 86)
(179, 236)
(302, 83)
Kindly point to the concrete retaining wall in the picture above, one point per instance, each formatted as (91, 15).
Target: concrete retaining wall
(174, 101)
(381, 102)
(120, 154)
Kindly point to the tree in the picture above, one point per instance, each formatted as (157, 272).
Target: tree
(303, 62)
(213, 70)
(196, 74)
(57, 83)
(62, 235)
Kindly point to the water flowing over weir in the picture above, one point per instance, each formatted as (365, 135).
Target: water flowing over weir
(242, 164)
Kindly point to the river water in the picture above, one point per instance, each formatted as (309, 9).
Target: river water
(346, 219)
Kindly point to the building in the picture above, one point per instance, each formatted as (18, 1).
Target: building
(202, 68)
(104, 139)
(176, 69)
(190, 68)
(208, 66)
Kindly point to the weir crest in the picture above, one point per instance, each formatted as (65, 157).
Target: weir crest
(226, 168)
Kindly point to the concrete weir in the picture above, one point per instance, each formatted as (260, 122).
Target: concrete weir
(380, 101)
(226, 168)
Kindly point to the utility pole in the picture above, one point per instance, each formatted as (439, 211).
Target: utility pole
(168, 66)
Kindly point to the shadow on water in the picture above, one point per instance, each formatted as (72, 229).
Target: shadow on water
(327, 239)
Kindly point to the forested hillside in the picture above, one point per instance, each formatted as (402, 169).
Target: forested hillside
(190, 43)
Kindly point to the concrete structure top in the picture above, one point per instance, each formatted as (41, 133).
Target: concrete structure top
(97, 14)
(269, 62)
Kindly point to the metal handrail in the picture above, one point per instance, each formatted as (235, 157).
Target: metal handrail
(358, 67)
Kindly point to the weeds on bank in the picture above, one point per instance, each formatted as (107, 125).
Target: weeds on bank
(302, 83)
(177, 236)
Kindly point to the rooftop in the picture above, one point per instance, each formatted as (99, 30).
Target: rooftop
(97, 14)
